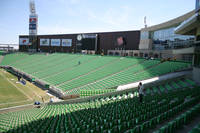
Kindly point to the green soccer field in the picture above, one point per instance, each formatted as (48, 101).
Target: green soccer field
(13, 93)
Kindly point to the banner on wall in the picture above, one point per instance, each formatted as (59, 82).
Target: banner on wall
(33, 21)
(67, 42)
(44, 42)
(55, 42)
(197, 5)
(23, 41)
(89, 35)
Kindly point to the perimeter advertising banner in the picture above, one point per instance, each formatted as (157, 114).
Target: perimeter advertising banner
(44, 42)
(66, 42)
(33, 20)
(55, 42)
(23, 41)
(197, 5)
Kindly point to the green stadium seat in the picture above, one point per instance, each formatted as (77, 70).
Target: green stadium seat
(95, 72)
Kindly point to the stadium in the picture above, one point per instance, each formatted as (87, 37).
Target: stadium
(137, 81)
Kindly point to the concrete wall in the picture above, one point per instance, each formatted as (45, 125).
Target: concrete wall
(170, 23)
(153, 53)
(196, 74)
(106, 41)
(145, 44)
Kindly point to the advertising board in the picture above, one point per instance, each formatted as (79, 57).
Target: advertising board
(33, 20)
(197, 5)
(44, 42)
(55, 42)
(23, 41)
(67, 42)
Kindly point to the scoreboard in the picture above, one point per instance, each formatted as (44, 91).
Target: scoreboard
(86, 42)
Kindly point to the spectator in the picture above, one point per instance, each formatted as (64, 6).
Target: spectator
(42, 99)
(140, 90)
(19, 77)
(51, 100)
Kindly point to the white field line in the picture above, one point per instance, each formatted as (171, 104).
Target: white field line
(33, 91)
(20, 89)
(17, 87)
(16, 106)
(15, 102)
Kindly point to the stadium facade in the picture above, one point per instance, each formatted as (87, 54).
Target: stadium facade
(177, 39)
(159, 41)
(92, 42)
(191, 26)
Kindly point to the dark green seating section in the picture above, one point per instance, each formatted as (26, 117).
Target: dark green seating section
(95, 72)
(196, 129)
(11, 58)
(113, 114)
(133, 74)
(181, 120)
(1, 53)
(170, 86)
(190, 81)
(92, 92)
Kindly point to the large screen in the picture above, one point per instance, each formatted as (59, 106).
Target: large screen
(120, 42)
(66, 42)
(55, 42)
(44, 42)
(87, 41)
(197, 5)
(23, 41)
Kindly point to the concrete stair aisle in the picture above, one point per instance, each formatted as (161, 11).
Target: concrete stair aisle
(175, 85)
(182, 83)
(168, 87)
(189, 82)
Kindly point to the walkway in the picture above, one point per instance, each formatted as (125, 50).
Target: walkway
(159, 78)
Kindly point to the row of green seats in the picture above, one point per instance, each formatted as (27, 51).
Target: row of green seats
(92, 92)
(133, 74)
(171, 85)
(196, 129)
(181, 120)
(13, 57)
(114, 80)
(94, 72)
(123, 114)
(94, 62)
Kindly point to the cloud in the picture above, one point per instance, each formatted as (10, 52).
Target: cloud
(75, 1)
(112, 19)
(112, 16)
(57, 29)
(109, 15)
(67, 2)
(81, 18)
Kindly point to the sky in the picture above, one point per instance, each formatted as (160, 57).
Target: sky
(84, 16)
